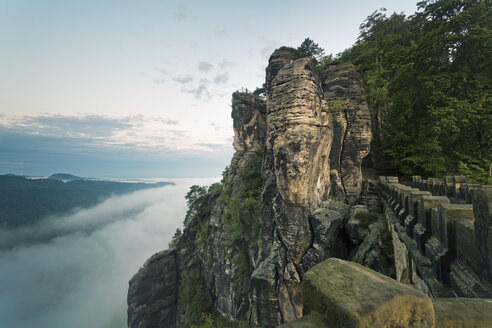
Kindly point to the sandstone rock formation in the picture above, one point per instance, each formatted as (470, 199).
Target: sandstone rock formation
(345, 294)
(149, 294)
(342, 87)
(348, 294)
(307, 189)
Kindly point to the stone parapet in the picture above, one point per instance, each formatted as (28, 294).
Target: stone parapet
(443, 233)
(339, 293)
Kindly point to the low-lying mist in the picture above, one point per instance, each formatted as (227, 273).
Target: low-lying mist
(73, 271)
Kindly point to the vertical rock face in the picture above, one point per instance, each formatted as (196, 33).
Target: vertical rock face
(342, 87)
(299, 134)
(279, 59)
(312, 133)
(248, 114)
(149, 294)
(223, 274)
(153, 296)
(297, 172)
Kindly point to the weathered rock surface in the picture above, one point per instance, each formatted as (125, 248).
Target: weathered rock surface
(304, 213)
(348, 294)
(342, 87)
(462, 312)
(249, 122)
(313, 320)
(279, 59)
(152, 301)
(153, 294)
(376, 251)
(297, 175)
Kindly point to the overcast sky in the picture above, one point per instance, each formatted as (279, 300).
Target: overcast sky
(142, 88)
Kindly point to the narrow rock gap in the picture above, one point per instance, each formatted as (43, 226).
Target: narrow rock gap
(340, 166)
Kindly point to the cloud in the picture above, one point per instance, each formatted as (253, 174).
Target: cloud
(76, 132)
(204, 66)
(225, 63)
(220, 31)
(199, 91)
(212, 146)
(184, 79)
(133, 145)
(268, 47)
(80, 278)
(221, 78)
(216, 126)
(160, 70)
(11, 163)
(159, 81)
(73, 125)
(169, 122)
(181, 13)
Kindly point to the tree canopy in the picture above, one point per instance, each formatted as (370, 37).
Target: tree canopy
(428, 79)
(311, 49)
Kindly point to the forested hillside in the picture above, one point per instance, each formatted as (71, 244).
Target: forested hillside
(25, 201)
(428, 82)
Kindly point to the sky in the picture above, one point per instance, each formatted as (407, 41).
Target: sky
(140, 89)
(76, 275)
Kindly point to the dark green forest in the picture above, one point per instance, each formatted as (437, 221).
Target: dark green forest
(25, 201)
(428, 83)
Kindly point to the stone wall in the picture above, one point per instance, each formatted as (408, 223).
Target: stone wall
(339, 293)
(442, 234)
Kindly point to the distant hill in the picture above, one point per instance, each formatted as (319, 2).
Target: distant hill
(64, 177)
(25, 201)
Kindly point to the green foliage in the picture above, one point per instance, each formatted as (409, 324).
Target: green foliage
(210, 321)
(25, 201)
(243, 214)
(251, 177)
(328, 60)
(202, 235)
(195, 299)
(366, 218)
(336, 104)
(387, 252)
(311, 49)
(210, 262)
(177, 240)
(428, 80)
(197, 207)
(207, 321)
(225, 174)
(260, 92)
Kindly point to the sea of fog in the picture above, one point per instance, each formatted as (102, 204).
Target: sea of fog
(73, 271)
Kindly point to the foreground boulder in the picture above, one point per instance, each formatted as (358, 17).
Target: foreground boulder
(348, 294)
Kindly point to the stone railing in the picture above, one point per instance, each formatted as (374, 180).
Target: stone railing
(442, 234)
(339, 293)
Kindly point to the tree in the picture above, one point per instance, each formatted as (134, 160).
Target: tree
(428, 82)
(310, 49)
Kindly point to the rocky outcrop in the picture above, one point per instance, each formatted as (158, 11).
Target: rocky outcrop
(338, 293)
(342, 87)
(228, 262)
(348, 294)
(152, 300)
(153, 291)
(302, 213)
(312, 136)
(296, 172)
(249, 122)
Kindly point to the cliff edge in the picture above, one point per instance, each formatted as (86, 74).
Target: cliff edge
(282, 207)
